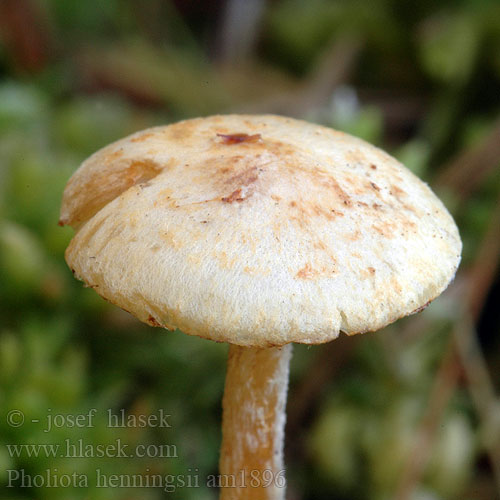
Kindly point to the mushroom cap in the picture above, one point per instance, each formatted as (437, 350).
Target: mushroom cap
(258, 231)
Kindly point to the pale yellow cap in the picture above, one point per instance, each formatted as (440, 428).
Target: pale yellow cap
(257, 230)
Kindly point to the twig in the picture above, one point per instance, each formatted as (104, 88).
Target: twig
(441, 392)
(333, 68)
(239, 30)
(329, 359)
(462, 349)
(465, 173)
(477, 377)
(24, 29)
(480, 388)
(483, 272)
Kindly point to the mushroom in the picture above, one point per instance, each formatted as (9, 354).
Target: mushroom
(259, 231)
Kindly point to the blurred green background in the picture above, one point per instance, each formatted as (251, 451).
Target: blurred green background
(409, 413)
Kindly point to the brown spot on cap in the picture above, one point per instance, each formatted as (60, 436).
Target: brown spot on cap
(234, 196)
(385, 229)
(323, 271)
(421, 308)
(244, 178)
(142, 137)
(152, 321)
(238, 138)
(397, 191)
(329, 182)
(114, 155)
(307, 272)
(356, 235)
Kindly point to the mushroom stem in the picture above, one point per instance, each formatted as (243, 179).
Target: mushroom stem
(253, 427)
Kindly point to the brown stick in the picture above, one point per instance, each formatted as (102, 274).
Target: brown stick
(483, 271)
(24, 30)
(462, 350)
(329, 359)
(441, 393)
(465, 173)
(481, 390)
(333, 68)
(251, 462)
